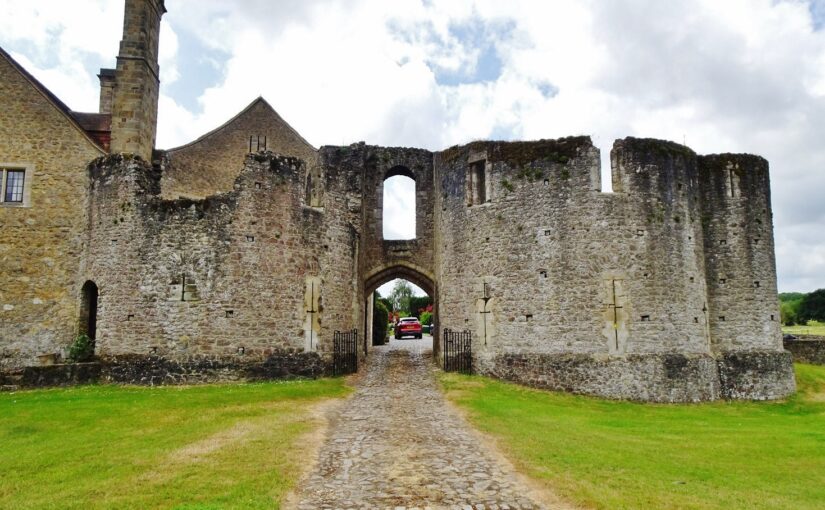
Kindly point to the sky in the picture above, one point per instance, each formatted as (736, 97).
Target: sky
(720, 76)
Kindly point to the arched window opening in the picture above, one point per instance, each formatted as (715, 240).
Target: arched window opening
(399, 207)
(88, 310)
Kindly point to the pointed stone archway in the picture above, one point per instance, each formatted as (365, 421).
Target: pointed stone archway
(411, 273)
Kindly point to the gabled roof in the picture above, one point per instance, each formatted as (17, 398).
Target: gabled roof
(259, 100)
(53, 99)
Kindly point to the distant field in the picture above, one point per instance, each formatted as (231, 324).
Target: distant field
(813, 328)
(609, 454)
(222, 446)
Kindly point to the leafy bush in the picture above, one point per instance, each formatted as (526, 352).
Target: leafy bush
(789, 312)
(380, 317)
(426, 318)
(82, 349)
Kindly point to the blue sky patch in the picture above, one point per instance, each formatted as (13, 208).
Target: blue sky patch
(199, 68)
(817, 8)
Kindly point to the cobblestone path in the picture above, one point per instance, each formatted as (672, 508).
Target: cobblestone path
(396, 444)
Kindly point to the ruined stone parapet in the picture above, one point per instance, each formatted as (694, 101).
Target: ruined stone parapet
(221, 279)
(542, 267)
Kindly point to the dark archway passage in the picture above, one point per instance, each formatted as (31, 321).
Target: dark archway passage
(88, 310)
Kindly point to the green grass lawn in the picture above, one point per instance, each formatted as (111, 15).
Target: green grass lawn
(611, 454)
(812, 328)
(194, 447)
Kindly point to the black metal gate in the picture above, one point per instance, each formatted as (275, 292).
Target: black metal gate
(458, 354)
(345, 352)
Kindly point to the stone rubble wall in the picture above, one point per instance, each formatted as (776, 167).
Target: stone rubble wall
(563, 286)
(807, 349)
(210, 164)
(743, 299)
(595, 292)
(219, 279)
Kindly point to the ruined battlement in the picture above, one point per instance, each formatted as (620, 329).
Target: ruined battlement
(240, 254)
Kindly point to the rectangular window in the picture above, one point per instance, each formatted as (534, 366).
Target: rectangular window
(13, 192)
(477, 183)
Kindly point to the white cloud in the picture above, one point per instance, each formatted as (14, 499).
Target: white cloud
(738, 76)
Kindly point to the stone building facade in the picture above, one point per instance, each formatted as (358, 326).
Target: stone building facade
(240, 254)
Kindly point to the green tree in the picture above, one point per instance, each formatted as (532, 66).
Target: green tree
(417, 303)
(788, 312)
(812, 306)
(400, 296)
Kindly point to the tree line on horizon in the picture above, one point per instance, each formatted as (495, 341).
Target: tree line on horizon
(799, 307)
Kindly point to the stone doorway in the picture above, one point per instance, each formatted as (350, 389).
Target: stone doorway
(88, 310)
(412, 275)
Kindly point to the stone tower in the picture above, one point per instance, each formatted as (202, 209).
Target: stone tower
(134, 105)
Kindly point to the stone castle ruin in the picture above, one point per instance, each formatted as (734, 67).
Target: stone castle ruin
(238, 255)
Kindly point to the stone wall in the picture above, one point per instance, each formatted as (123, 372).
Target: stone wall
(41, 242)
(210, 164)
(595, 292)
(231, 278)
(807, 349)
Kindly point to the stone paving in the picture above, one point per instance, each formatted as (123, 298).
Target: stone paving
(396, 444)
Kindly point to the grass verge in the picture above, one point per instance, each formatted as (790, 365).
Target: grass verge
(611, 454)
(192, 447)
(812, 328)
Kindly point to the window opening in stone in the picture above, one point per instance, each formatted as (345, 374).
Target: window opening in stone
(478, 182)
(13, 181)
(257, 142)
(398, 208)
(88, 310)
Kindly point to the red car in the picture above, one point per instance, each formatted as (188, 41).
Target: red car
(407, 326)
